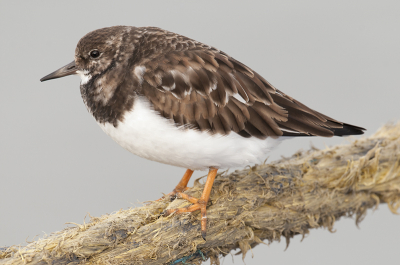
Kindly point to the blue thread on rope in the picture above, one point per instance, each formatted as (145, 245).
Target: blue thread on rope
(184, 259)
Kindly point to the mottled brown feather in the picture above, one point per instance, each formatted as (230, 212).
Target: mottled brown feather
(200, 87)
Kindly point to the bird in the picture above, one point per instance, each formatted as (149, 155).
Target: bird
(174, 100)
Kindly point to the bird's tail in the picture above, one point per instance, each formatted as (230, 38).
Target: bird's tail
(347, 129)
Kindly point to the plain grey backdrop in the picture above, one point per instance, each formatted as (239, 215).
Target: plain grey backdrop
(341, 58)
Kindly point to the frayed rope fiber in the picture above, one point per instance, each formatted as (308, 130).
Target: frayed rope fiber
(248, 207)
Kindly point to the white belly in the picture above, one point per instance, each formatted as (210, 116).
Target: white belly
(146, 134)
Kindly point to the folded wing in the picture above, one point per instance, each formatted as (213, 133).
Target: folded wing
(210, 91)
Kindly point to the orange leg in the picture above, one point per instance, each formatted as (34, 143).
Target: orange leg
(182, 185)
(198, 204)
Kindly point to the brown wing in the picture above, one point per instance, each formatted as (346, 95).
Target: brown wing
(208, 90)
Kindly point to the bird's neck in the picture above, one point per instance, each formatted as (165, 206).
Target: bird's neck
(110, 94)
(108, 103)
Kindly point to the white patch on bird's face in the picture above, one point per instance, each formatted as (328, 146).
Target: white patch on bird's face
(139, 72)
(85, 76)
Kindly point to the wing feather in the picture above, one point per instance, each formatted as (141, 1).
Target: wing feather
(197, 86)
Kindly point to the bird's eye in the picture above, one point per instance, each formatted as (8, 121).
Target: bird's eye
(94, 54)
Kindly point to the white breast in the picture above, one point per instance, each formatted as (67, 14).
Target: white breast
(145, 133)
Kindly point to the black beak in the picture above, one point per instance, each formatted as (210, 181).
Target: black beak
(69, 69)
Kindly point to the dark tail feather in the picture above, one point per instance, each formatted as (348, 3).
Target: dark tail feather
(347, 130)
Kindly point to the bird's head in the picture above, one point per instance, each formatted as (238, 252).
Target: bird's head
(100, 51)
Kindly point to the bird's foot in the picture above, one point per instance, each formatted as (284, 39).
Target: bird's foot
(198, 204)
(182, 185)
(174, 194)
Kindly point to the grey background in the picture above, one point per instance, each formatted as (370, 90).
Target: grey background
(339, 57)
